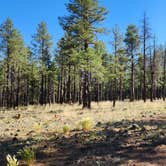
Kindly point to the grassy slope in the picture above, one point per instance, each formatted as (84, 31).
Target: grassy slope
(130, 133)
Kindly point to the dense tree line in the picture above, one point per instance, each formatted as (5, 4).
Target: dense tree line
(81, 69)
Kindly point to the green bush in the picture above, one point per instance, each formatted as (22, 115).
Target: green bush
(11, 161)
(66, 129)
(27, 155)
(87, 124)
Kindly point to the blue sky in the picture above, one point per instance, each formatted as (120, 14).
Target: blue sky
(26, 14)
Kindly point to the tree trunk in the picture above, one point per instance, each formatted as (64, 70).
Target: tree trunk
(97, 91)
(42, 90)
(45, 89)
(154, 73)
(86, 84)
(85, 96)
(61, 89)
(114, 92)
(8, 81)
(152, 80)
(69, 85)
(80, 90)
(74, 86)
(144, 92)
(120, 89)
(18, 89)
(132, 91)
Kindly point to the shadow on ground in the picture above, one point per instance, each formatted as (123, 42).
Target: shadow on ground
(126, 142)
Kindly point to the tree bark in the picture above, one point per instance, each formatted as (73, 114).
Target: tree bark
(69, 85)
(86, 84)
(132, 91)
(42, 90)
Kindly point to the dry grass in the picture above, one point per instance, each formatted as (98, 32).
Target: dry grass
(52, 118)
(43, 124)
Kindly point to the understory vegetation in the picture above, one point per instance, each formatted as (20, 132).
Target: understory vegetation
(81, 69)
(130, 133)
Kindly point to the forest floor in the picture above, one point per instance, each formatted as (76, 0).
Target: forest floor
(131, 134)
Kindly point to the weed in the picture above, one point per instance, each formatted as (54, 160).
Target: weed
(38, 127)
(28, 155)
(66, 129)
(11, 161)
(93, 135)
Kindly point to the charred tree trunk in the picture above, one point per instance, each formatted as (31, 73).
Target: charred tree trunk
(85, 96)
(86, 84)
(152, 79)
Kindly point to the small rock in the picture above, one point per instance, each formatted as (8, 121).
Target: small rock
(134, 127)
(16, 135)
(17, 116)
(15, 139)
(27, 142)
(98, 124)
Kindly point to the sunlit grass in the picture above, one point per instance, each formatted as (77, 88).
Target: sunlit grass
(54, 117)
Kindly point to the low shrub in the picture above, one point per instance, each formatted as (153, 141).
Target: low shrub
(28, 155)
(86, 124)
(66, 129)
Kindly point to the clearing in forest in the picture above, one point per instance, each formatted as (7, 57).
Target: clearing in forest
(130, 134)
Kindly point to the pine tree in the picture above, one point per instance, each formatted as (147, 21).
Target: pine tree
(146, 36)
(153, 72)
(117, 47)
(132, 41)
(42, 50)
(13, 49)
(84, 16)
